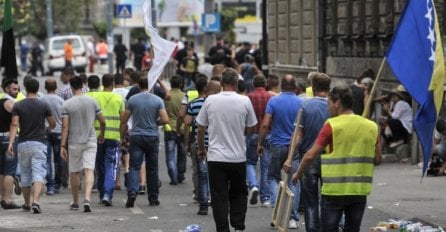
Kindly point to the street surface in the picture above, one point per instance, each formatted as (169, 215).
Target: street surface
(397, 194)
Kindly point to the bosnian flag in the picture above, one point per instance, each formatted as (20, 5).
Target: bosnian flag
(416, 58)
(160, 48)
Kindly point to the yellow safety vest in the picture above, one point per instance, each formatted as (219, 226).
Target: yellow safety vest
(20, 96)
(191, 95)
(111, 105)
(348, 169)
(309, 91)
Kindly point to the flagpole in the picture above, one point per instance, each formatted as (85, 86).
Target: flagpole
(366, 111)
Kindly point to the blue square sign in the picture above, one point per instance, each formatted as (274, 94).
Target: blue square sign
(210, 22)
(124, 11)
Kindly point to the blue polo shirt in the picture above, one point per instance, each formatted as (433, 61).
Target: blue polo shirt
(283, 109)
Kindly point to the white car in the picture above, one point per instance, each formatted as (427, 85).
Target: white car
(55, 53)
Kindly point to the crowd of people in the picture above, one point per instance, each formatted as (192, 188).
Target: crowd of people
(224, 114)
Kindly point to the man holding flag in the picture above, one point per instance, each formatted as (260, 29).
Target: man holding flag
(416, 58)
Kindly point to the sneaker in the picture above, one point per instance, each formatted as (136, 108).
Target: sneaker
(106, 201)
(142, 190)
(293, 224)
(254, 193)
(203, 211)
(36, 208)
(87, 207)
(26, 207)
(266, 204)
(57, 189)
(130, 201)
(396, 143)
(11, 205)
(74, 206)
(154, 202)
(17, 189)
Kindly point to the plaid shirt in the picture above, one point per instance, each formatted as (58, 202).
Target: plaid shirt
(259, 98)
(65, 92)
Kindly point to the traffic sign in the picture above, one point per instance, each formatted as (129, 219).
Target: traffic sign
(124, 11)
(210, 22)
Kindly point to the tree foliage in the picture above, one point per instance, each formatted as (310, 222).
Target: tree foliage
(228, 17)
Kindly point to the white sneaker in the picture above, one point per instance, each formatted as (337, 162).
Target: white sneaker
(266, 204)
(293, 224)
(254, 193)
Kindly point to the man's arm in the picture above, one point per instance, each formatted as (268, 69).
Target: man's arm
(378, 156)
(164, 118)
(123, 126)
(101, 120)
(266, 122)
(187, 123)
(64, 136)
(8, 105)
(306, 161)
(202, 153)
(51, 121)
(12, 133)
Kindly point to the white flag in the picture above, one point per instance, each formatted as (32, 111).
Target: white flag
(162, 49)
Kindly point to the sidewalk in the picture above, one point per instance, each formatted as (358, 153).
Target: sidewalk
(397, 191)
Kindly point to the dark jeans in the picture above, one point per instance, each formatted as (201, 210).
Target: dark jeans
(333, 207)
(203, 181)
(53, 155)
(120, 65)
(141, 147)
(175, 161)
(107, 167)
(8, 163)
(229, 194)
(310, 182)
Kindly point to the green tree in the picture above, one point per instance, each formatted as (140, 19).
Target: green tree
(228, 17)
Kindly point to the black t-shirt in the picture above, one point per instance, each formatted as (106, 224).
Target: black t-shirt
(32, 114)
(358, 99)
(120, 50)
(138, 49)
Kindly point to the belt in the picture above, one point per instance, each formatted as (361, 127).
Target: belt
(4, 133)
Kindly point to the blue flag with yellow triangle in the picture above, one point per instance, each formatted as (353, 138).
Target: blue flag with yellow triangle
(416, 57)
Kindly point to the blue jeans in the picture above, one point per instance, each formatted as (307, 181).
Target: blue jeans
(107, 167)
(279, 154)
(8, 164)
(53, 143)
(203, 181)
(251, 162)
(310, 183)
(332, 208)
(141, 147)
(176, 163)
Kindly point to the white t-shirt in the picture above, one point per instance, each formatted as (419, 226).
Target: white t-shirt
(226, 115)
(404, 113)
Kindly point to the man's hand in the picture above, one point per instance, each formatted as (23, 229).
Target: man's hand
(202, 153)
(10, 149)
(259, 150)
(295, 178)
(64, 153)
(287, 166)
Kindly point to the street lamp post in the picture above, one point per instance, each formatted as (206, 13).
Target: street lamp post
(109, 11)
(49, 18)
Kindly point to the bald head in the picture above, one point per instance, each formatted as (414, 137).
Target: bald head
(213, 87)
(50, 85)
(288, 83)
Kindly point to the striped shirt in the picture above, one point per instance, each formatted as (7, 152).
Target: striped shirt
(193, 109)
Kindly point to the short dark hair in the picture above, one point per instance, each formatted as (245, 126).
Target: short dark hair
(107, 80)
(135, 76)
(321, 82)
(119, 79)
(31, 85)
(241, 86)
(68, 71)
(93, 82)
(6, 82)
(143, 83)
(76, 82)
(128, 71)
(343, 94)
(50, 85)
(229, 77)
(288, 84)
(259, 81)
(200, 83)
(83, 77)
(176, 82)
(272, 81)
(301, 84)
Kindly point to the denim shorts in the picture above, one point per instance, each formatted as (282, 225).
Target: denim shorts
(32, 161)
(8, 163)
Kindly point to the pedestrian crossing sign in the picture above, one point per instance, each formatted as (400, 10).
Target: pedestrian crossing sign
(124, 11)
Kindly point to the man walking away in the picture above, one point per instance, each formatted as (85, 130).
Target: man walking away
(31, 113)
(79, 140)
(347, 167)
(226, 152)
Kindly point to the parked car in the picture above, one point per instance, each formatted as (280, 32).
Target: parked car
(55, 53)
